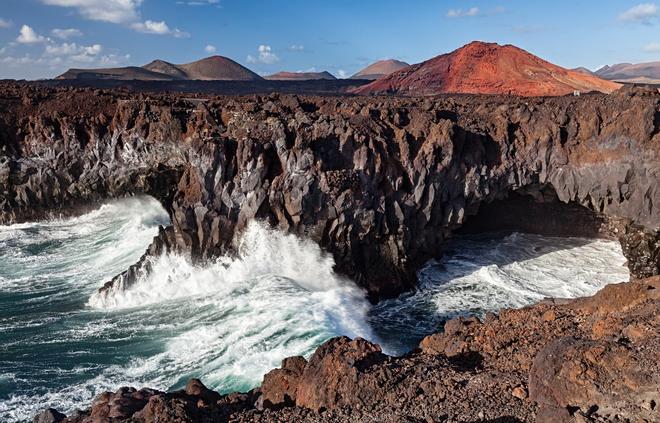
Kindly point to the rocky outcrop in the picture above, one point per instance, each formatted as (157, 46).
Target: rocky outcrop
(594, 359)
(379, 183)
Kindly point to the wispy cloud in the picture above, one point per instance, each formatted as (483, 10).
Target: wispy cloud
(645, 13)
(65, 34)
(215, 3)
(474, 12)
(460, 13)
(5, 23)
(158, 28)
(652, 48)
(297, 47)
(125, 12)
(210, 48)
(28, 35)
(266, 56)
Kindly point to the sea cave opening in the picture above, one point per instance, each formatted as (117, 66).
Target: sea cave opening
(509, 253)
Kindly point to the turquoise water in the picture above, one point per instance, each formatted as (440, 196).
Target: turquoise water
(62, 343)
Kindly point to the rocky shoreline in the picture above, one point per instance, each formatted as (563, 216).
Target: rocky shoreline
(381, 184)
(593, 359)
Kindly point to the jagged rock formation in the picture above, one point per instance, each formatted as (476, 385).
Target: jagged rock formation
(379, 183)
(591, 360)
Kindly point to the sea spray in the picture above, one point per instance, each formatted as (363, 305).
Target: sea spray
(489, 272)
(231, 320)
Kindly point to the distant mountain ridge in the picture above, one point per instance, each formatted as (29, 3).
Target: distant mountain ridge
(487, 68)
(214, 68)
(631, 72)
(380, 69)
(300, 76)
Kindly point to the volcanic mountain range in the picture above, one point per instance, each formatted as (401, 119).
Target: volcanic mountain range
(640, 73)
(214, 68)
(476, 68)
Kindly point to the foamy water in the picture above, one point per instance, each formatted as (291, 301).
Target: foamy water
(62, 343)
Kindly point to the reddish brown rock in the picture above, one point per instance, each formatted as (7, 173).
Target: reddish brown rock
(120, 405)
(597, 360)
(280, 386)
(330, 378)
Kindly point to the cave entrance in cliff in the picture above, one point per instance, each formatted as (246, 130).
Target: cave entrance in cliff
(510, 253)
(535, 210)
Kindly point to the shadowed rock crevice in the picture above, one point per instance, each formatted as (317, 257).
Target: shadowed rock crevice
(537, 210)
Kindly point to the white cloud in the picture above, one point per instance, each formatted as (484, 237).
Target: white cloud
(201, 3)
(652, 48)
(460, 13)
(342, 74)
(210, 48)
(158, 28)
(5, 23)
(115, 11)
(266, 56)
(120, 12)
(71, 49)
(151, 27)
(644, 13)
(65, 34)
(297, 47)
(29, 36)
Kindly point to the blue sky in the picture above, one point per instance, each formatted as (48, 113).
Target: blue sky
(43, 38)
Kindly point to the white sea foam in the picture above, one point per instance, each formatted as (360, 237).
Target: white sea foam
(488, 273)
(230, 321)
(278, 297)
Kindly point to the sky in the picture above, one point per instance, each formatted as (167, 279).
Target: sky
(44, 38)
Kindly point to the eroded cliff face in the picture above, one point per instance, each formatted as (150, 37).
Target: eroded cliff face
(380, 183)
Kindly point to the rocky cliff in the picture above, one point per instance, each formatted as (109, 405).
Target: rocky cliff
(380, 183)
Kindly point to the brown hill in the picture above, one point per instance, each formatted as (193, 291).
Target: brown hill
(218, 68)
(487, 68)
(300, 76)
(166, 68)
(215, 68)
(129, 73)
(582, 70)
(380, 69)
(644, 73)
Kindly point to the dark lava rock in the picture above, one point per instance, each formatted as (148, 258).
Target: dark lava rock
(380, 183)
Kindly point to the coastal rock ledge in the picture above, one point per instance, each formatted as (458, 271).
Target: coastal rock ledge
(594, 359)
(379, 183)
